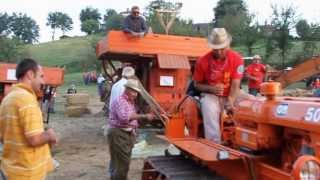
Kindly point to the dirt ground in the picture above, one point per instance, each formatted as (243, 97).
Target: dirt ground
(83, 150)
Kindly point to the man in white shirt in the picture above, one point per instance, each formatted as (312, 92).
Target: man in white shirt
(118, 88)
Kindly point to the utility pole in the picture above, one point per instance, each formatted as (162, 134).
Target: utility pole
(166, 15)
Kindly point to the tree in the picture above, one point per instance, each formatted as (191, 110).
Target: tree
(251, 37)
(232, 15)
(65, 23)
(303, 29)
(9, 49)
(4, 23)
(90, 26)
(89, 13)
(112, 20)
(53, 21)
(24, 28)
(59, 20)
(283, 20)
(179, 27)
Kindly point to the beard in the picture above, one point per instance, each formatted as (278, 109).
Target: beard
(216, 55)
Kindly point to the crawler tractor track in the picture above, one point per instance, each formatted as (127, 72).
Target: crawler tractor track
(176, 168)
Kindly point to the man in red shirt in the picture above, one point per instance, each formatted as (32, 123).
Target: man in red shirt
(255, 73)
(217, 76)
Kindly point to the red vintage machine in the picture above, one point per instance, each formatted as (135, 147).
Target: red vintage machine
(162, 62)
(53, 77)
(267, 138)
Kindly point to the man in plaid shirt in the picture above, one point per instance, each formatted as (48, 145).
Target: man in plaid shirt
(123, 123)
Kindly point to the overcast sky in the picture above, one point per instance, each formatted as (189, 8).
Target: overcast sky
(200, 11)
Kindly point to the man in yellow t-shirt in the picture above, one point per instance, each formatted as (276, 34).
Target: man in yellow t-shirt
(26, 152)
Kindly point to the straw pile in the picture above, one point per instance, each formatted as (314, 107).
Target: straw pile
(77, 104)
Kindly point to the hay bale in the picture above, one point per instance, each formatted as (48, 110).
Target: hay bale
(75, 111)
(76, 99)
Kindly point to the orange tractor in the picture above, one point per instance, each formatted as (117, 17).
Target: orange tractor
(274, 138)
(268, 138)
(52, 77)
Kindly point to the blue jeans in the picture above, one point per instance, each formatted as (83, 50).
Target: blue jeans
(2, 176)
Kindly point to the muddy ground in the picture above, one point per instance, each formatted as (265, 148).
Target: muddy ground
(83, 150)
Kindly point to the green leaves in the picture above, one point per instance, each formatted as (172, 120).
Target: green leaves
(4, 23)
(89, 18)
(59, 20)
(24, 28)
(90, 26)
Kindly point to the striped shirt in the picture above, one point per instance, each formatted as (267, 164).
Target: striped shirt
(121, 110)
(20, 116)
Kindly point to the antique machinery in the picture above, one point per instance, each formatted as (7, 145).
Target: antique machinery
(268, 137)
(53, 77)
(162, 62)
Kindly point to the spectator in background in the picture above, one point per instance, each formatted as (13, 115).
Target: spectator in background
(316, 87)
(100, 83)
(255, 72)
(72, 89)
(86, 78)
(135, 24)
(49, 99)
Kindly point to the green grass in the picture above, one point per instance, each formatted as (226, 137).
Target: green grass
(77, 53)
(76, 78)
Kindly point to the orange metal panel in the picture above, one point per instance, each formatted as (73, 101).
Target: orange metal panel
(167, 96)
(119, 42)
(202, 150)
(52, 76)
(168, 61)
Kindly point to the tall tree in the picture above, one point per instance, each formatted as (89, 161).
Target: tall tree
(9, 49)
(59, 20)
(303, 29)
(90, 26)
(65, 23)
(232, 15)
(179, 27)
(112, 20)
(24, 28)
(53, 21)
(4, 23)
(283, 20)
(89, 13)
(252, 36)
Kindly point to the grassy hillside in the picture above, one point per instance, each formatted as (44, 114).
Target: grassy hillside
(74, 53)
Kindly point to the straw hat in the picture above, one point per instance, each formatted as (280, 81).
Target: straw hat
(256, 56)
(133, 84)
(219, 38)
(128, 71)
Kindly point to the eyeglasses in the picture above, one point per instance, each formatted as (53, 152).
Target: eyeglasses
(135, 12)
